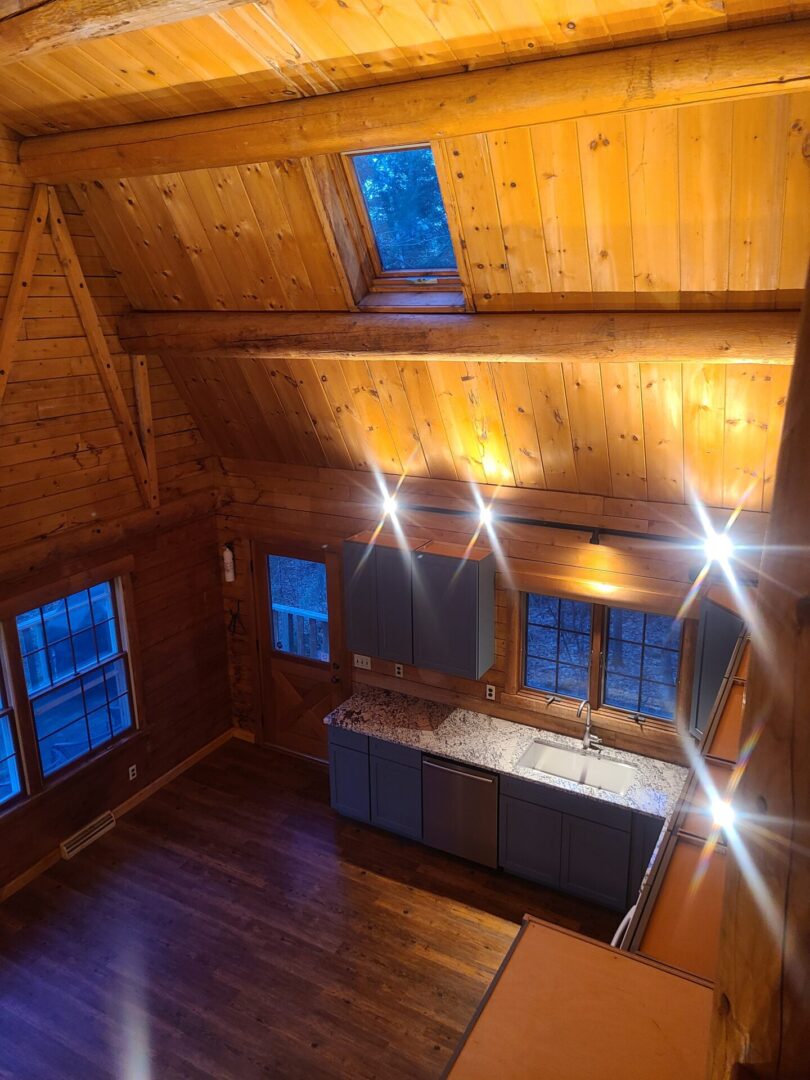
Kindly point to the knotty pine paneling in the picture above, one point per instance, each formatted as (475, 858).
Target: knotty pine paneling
(177, 608)
(62, 464)
(658, 432)
(289, 504)
(256, 52)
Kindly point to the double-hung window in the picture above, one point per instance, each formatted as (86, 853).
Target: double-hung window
(633, 669)
(76, 675)
(10, 783)
(65, 680)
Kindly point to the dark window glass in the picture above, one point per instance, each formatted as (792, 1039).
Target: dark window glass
(558, 645)
(404, 204)
(641, 662)
(75, 674)
(10, 785)
(298, 606)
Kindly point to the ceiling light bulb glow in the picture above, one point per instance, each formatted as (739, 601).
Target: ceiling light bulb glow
(723, 813)
(390, 505)
(486, 515)
(718, 547)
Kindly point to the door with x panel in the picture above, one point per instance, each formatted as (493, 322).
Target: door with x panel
(301, 644)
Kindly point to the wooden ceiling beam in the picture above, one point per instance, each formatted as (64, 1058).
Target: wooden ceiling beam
(29, 27)
(759, 337)
(734, 64)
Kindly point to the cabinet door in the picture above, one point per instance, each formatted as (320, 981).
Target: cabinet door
(394, 609)
(349, 782)
(360, 597)
(445, 614)
(530, 840)
(396, 797)
(595, 861)
(717, 637)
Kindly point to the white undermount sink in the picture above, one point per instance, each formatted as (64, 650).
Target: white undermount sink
(579, 766)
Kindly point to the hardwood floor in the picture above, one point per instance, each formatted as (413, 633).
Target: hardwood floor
(233, 926)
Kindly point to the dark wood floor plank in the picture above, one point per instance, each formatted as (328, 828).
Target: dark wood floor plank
(233, 927)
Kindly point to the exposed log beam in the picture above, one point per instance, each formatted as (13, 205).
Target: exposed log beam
(759, 337)
(21, 282)
(762, 1021)
(734, 64)
(97, 343)
(28, 27)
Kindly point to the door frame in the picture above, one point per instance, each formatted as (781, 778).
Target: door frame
(266, 654)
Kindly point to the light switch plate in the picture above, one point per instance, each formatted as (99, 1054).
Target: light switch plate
(398, 670)
(361, 661)
(490, 692)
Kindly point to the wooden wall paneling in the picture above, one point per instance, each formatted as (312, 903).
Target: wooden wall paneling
(704, 173)
(190, 383)
(624, 425)
(276, 432)
(704, 395)
(605, 188)
(512, 163)
(444, 174)
(559, 181)
(146, 431)
(474, 190)
(653, 169)
(367, 409)
(758, 166)
(448, 385)
(427, 418)
(550, 406)
(779, 384)
(663, 411)
(341, 226)
(583, 390)
(20, 284)
(99, 348)
(239, 419)
(320, 412)
(746, 433)
(250, 405)
(517, 412)
(299, 421)
(796, 220)
(335, 387)
(488, 424)
(397, 410)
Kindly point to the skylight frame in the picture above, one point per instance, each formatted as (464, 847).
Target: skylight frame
(425, 280)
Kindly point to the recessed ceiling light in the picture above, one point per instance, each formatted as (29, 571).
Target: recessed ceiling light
(723, 813)
(718, 547)
(486, 515)
(390, 506)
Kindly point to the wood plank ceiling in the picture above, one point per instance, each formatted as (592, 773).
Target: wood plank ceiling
(262, 52)
(638, 431)
(702, 206)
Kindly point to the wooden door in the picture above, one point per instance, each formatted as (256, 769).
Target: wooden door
(301, 644)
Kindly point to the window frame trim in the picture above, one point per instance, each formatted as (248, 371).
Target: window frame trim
(516, 687)
(119, 574)
(304, 553)
(382, 280)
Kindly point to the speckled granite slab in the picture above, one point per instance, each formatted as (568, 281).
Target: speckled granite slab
(477, 739)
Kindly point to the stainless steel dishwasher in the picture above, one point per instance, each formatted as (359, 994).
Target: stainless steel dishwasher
(460, 810)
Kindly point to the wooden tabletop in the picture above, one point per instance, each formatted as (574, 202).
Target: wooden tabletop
(565, 1007)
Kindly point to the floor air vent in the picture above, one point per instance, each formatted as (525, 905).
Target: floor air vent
(85, 837)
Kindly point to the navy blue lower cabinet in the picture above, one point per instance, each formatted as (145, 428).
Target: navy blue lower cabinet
(645, 832)
(396, 797)
(595, 861)
(349, 780)
(530, 839)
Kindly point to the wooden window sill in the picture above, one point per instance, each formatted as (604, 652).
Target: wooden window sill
(450, 301)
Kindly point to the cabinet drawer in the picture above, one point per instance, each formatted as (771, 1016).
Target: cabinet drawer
(339, 736)
(568, 802)
(405, 755)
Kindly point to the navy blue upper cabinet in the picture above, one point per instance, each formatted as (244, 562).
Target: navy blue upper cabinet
(378, 596)
(718, 632)
(453, 610)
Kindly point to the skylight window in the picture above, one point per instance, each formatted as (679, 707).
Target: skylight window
(401, 196)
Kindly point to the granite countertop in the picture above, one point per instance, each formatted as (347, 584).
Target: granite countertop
(473, 738)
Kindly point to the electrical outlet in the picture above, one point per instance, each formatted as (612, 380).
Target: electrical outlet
(133, 772)
(362, 661)
(490, 692)
(398, 670)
